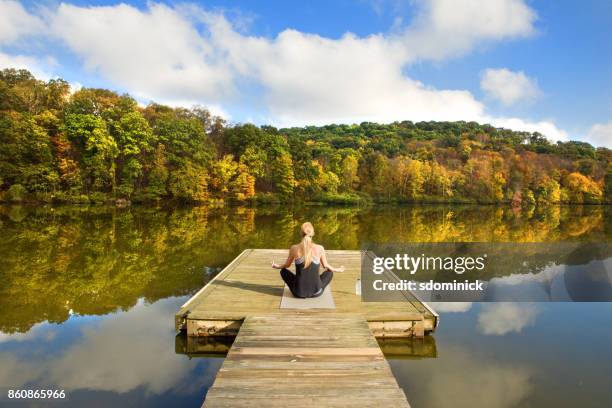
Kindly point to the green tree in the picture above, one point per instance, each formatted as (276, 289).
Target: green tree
(608, 187)
(157, 175)
(282, 175)
(98, 149)
(26, 155)
(222, 172)
(189, 183)
(349, 169)
(134, 141)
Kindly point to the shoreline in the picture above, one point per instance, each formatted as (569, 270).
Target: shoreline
(292, 203)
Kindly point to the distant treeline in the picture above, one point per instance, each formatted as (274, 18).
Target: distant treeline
(94, 145)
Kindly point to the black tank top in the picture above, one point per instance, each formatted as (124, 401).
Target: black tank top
(308, 280)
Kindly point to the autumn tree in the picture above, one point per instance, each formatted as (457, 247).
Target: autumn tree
(349, 169)
(243, 186)
(581, 189)
(222, 171)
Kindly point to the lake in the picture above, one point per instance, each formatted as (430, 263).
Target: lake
(88, 296)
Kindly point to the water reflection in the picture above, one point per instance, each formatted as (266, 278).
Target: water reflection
(464, 379)
(589, 282)
(496, 319)
(87, 298)
(409, 348)
(93, 261)
(502, 318)
(202, 346)
(515, 354)
(127, 352)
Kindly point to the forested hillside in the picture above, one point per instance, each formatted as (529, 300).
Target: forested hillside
(94, 145)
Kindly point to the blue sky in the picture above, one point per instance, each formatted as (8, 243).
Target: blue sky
(530, 65)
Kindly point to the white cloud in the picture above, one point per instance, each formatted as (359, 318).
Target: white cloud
(16, 22)
(213, 108)
(315, 80)
(600, 134)
(156, 54)
(37, 67)
(545, 127)
(447, 28)
(509, 87)
(502, 318)
(75, 87)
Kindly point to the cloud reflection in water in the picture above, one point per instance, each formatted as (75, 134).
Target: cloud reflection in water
(119, 353)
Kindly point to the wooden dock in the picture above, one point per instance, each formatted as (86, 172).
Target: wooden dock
(249, 286)
(305, 359)
(296, 357)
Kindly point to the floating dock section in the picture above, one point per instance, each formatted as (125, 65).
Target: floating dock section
(249, 286)
(295, 357)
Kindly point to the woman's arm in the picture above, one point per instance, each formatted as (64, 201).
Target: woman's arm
(288, 262)
(326, 264)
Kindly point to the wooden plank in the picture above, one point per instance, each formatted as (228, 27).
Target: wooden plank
(331, 370)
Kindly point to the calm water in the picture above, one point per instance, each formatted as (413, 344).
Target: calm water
(88, 295)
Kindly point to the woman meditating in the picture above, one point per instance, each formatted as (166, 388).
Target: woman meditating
(308, 256)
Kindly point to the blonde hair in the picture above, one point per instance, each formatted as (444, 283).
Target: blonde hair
(307, 232)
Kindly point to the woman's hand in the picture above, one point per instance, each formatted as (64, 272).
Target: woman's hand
(340, 269)
(275, 265)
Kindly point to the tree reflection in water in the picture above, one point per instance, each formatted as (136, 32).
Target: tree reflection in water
(95, 260)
